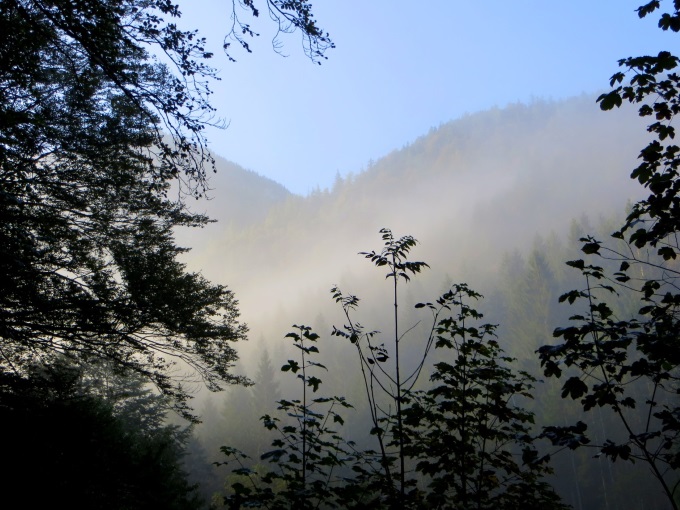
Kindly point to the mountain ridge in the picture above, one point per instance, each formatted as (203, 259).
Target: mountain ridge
(470, 191)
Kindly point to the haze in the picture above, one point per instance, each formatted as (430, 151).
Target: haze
(471, 126)
(483, 194)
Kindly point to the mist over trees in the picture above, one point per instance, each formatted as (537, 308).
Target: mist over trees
(523, 274)
(472, 189)
(508, 236)
(419, 395)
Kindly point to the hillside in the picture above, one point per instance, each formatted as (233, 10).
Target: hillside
(469, 191)
(495, 198)
(238, 197)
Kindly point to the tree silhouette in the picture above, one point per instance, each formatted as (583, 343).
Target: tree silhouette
(94, 133)
(67, 445)
(622, 361)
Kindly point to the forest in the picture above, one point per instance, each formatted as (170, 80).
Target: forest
(486, 317)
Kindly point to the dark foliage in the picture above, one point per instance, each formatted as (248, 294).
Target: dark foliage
(464, 443)
(469, 437)
(94, 132)
(65, 447)
(89, 265)
(311, 464)
(625, 362)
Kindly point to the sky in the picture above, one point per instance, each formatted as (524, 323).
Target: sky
(399, 69)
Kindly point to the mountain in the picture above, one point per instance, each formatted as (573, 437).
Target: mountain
(470, 190)
(238, 197)
(497, 199)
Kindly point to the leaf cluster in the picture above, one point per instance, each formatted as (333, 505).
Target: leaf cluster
(394, 255)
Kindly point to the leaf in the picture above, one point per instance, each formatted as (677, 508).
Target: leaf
(570, 296)
(292, 365)
(574, 387)
(616, 78)
(273, 455)
(613, 451)
(314, 382)
(610, 100)
(578, 264)
(590, 248)
(667, 253)
(648, 8)
(628, 402)
(609, 288)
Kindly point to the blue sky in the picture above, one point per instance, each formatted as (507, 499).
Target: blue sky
(400, 68)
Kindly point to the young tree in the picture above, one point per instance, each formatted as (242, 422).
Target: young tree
(469, 437)
(94, 131)
(466, 436)
(309, 455)
(464, 443)
(385, 383)
(630, 364)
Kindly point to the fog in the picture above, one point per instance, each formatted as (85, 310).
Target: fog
(490, 197)
(470, 191)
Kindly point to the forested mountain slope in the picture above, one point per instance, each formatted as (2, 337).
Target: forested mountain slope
(469, 190)
(497, 199)
(240, 197)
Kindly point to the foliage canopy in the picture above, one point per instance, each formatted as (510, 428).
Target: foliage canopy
(106, 445)
(95, 131)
